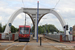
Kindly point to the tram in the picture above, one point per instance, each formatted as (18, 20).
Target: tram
(24, 33)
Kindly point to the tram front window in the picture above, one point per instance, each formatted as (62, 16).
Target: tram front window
(24, 30)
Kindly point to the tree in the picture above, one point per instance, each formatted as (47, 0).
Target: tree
(46, 29)
(13, 29)
(3, 28)
(32, 29)
(0, 27)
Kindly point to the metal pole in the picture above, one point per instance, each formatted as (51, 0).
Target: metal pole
(9, 30)
(25, 23)
(40, 41)
(65, 34)
(9, 33)
(25, 18)
(37, 17)
(46, 29)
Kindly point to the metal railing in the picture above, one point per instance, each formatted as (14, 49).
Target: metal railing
(53, 37)
(57, 37)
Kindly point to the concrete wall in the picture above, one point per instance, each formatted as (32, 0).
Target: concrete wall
(13, 36)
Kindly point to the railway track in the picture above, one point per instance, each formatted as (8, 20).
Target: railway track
(53, 44)
(49, 43)
(18, 45)
(33, 44)
(11, 46)
(25, 46)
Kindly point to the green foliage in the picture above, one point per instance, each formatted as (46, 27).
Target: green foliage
(46, 29)
(13, 29)
(52, 28)
(32, 29)
(61, 31)
(0, 27)
(41, 29)
(3, 28)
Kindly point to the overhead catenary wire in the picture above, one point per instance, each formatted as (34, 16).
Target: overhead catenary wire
(23, 3)
(57, 3)
(42, 4)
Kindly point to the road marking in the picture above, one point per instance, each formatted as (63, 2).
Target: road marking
(11, 46)
(25, 46)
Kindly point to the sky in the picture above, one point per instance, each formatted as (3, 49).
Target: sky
(66, 8)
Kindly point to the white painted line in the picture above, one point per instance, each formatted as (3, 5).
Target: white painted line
(11, 46)
(25, 46)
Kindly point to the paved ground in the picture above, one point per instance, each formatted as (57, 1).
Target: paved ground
(33, 45)
(44, 47)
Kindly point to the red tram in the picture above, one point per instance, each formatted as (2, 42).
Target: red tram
(24, 33)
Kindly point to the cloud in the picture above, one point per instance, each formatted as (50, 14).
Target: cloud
(2, 3)
(21, 0)
(6, 10)
(51, 19)
(66, 8)
(20, 16)
(0, 18)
